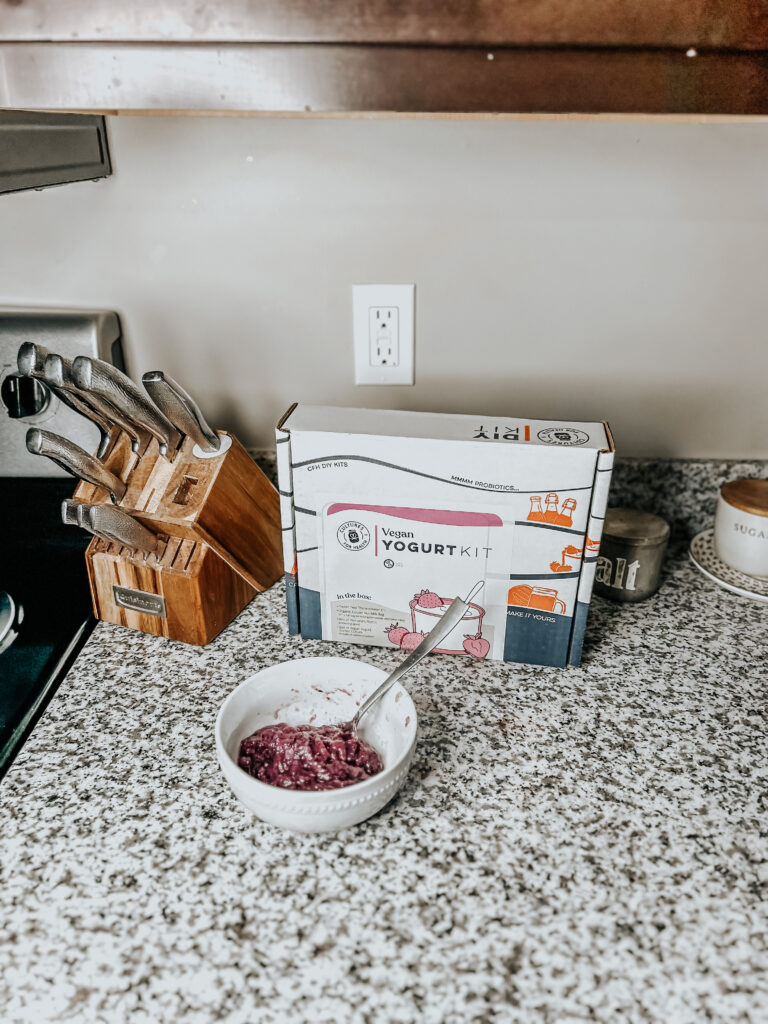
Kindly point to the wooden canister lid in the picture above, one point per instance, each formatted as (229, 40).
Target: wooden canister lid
(638, 527)
(747, 495)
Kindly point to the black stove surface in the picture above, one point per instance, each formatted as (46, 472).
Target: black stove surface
(42, 566)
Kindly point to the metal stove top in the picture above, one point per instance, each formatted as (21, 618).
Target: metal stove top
(42, 564)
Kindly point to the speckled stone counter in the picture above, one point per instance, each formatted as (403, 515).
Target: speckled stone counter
(571, 845)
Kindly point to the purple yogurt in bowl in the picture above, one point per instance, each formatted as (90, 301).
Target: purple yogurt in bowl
(308, 757)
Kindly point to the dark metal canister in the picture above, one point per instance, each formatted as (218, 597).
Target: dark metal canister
(631, 553)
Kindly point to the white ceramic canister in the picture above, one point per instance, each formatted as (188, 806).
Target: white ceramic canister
(741, 526)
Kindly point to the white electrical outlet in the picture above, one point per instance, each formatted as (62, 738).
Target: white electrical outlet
(383, 326)
(384, 335)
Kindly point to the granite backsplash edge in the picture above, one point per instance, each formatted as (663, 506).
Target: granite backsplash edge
(683, 491)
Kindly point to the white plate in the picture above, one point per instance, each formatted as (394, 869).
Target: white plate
(704, 557)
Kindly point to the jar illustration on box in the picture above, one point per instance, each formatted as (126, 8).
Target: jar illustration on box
(553, 513)
(536, 514)
(543, 598)
(550, 511)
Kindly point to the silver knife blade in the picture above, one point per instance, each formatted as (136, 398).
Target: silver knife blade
(181, 409)
(109, 383)
(57, 371)
(113, 523)
(74, 460)
(31, 363)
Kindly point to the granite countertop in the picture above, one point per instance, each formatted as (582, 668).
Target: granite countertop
(570, 845)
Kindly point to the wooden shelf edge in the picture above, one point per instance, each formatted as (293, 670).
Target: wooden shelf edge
(735, 24)
(359, 80)
(395, 115)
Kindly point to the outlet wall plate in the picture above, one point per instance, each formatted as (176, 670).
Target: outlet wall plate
(383, 331)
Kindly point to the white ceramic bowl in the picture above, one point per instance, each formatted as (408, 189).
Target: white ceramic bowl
(328, 688)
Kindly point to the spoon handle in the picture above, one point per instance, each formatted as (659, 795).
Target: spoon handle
(451, 619)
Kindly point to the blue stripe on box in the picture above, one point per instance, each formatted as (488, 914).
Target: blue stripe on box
(579, 627)
(544, 575)
(310, 615)
(292, 603)
(537, 637)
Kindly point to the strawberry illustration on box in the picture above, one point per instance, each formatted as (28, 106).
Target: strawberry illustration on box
(426, 608)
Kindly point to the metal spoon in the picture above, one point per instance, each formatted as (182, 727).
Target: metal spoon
(451, 619)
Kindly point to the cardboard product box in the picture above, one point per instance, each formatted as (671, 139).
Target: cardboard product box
(387, 516)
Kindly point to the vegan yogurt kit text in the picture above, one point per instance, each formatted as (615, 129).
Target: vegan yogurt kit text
(387, 516)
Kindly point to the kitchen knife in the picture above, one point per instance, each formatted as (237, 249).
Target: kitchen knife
(116, 525)
(182, 410)
(83, 521)
(97, 377)
(120, 528)
(31, 363)
(74, 460)
(58, 371)
(72, 514)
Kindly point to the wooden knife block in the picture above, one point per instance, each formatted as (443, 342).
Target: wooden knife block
(189, 593)
(222, 519)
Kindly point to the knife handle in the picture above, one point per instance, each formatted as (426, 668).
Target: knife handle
(69, 512)
(118, 528)
(113, 523)
(74, 460)
(57, 372)
(116, 388)
(84, 522)
(181, 409)
(74, 513)
(105, 434)
(31, 360)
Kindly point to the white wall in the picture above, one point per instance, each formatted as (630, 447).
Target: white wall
(570, 270)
